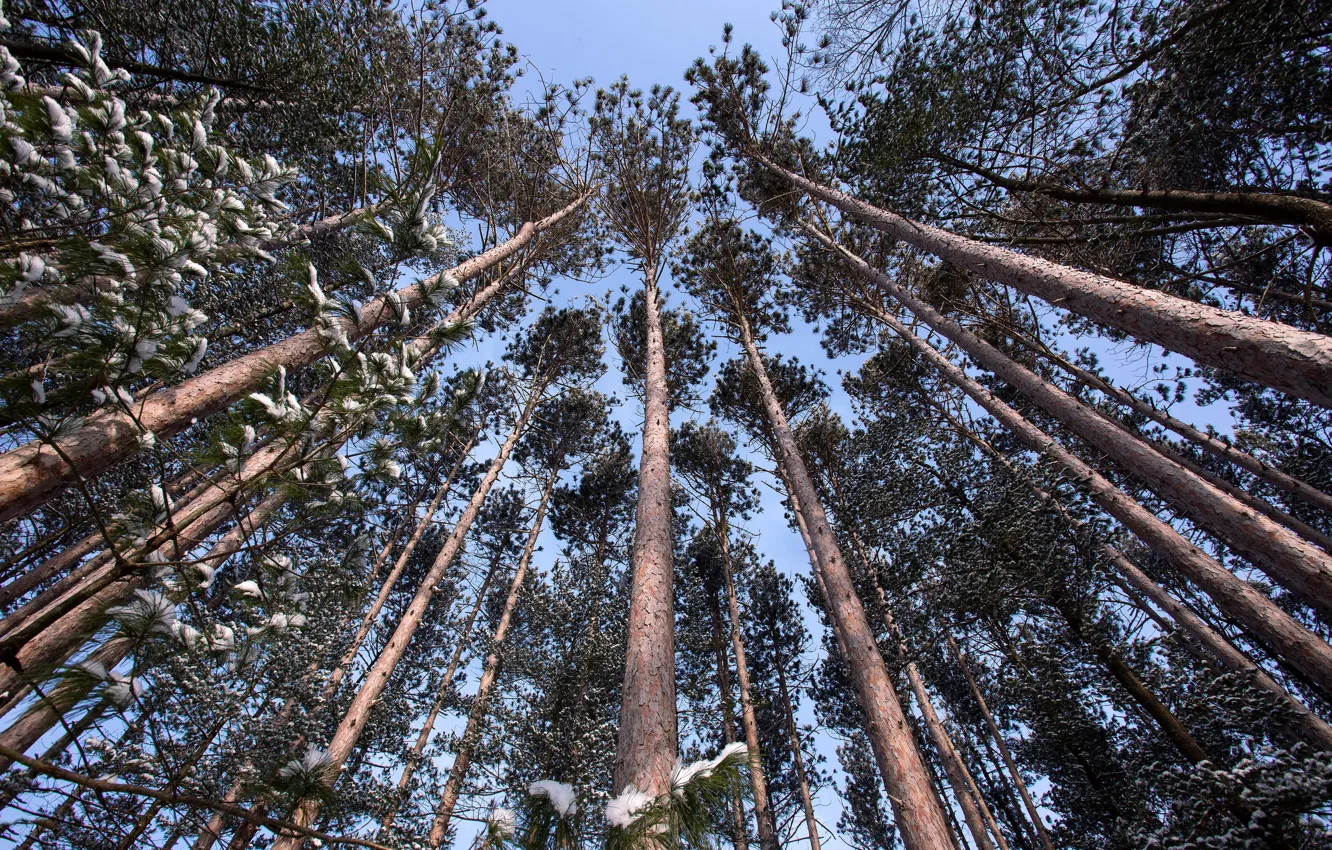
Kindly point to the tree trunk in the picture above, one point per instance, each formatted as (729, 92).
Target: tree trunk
(445, 688)
(1313, 729)
(32, 473)
(376, 679)
(1276, 207)
(999, 742)
(802, 779)
(648, 738)
(919, 817)
(739, 830)
(1220, 448)
(762, 807)
(1270, 353)
(476, 718)
(1303, 649)
(1295, 563)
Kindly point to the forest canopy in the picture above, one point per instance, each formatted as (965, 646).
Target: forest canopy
(400, 452)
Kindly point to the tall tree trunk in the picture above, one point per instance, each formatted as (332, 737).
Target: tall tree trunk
(1013, 772)
(1220, 448)
(445, 688)
(1276, 207)
(476, 718)
(1313, 729)
(648, 738)
(767, 825)
(377, 678)
(919, 817)
(1299, 646)
(1295, 563)
(802, 778)
(32, 473)
(739, 830)
(1272, 354)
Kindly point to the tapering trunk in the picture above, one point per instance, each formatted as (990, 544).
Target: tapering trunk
(1313, 729)
(1276, 207)
(31, 474)
(1160, 714)
(1220, 448)
(797, 757)
(739, 831)
(1303, 649)
(767, 828)
(476, 718)
(968, 796)
(648, 739)
(376, 679)
(1272, 354)
(1013, 772)
(919, 817)
(445, 688)
(1295, 563)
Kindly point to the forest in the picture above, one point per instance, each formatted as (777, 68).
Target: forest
(402, 450)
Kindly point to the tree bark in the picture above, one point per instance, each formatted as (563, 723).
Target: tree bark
(739, 829)
(999, 742)
(648, 738)
(376, 679)
(1299, 646)
(802, 779)
(445, 688)
(1276, 207)
(920, 819)
(1269, 353)
(762, 807)
(1295, 563)
(476, 718)
(32, 473)
(1220, 448)
(1309, 726)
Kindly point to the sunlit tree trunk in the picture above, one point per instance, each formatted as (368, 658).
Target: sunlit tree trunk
(476, 718)
(1270, 353)
(445, 688)
(647, 744)
(31, 474)
(919, 817)
(376, 679)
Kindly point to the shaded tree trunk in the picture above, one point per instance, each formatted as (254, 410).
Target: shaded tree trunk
(1013, 772)
(802, 778)
(1295, 563)
(739, 831)
(1303, 649)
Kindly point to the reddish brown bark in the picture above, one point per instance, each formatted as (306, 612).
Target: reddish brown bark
(376, 679)
(476, 718)
(647, 744)
(798, 759)
(445, 688)
(32, 473)
(1270, 353)
(1013, 772)
(1303, 649)
(1290, 560)
(920, 819)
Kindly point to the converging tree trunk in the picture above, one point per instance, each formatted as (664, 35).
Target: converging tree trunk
(1270, 353)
